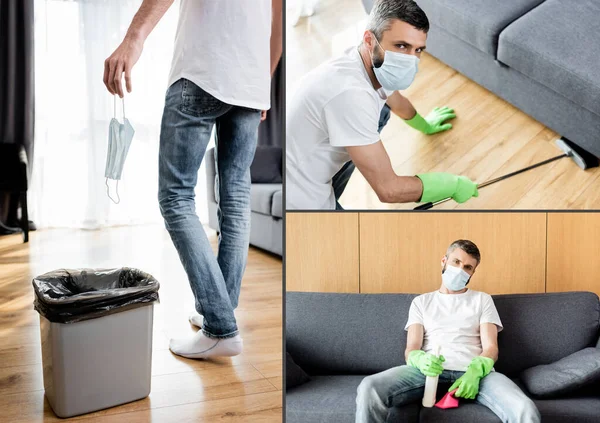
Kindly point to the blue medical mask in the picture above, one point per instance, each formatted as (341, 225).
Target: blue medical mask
(454, 278)
(397, 71)
(120, 136)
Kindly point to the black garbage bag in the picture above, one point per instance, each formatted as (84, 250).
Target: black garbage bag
(73, 295)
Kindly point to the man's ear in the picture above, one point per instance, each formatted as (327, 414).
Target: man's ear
(444, 259)
(369, 39)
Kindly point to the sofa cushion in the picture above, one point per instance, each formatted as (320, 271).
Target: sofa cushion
(266, 166)
(276, 208)
(477, 22)
(558, 45)
(329, 399)
(543, 328)
(294, 375)
(330, 333)
(560, 410)
(261, 200)
(467, 412)
(323, 399)
(566, 375)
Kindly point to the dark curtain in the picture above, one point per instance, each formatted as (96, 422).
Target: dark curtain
(16, 84)
(271, 131)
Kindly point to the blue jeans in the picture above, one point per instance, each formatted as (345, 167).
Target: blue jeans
(188, 119)
(341, 178)
(402, 385)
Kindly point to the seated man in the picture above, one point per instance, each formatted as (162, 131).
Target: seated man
(334, 118)
(465, 324)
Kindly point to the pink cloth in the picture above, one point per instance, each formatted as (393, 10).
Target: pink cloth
(448, 401)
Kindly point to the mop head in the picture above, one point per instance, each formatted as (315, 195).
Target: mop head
(582, 158)
(448, 401)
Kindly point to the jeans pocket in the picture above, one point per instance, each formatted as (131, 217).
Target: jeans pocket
(197, 102)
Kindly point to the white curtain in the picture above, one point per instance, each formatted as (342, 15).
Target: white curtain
(297, 9)
(73, 110)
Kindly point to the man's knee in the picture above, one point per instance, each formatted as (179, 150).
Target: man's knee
(528, 410)
(366, 388)
(173, 207)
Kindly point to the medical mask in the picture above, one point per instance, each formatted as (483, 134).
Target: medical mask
(454, 278)
(119, 141)
(397, 71)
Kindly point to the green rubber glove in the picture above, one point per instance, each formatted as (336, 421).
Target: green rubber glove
(437, 186)
(428, 364)
(434, 121)
(468, 384)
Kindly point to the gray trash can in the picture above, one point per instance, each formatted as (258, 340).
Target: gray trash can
(96, 332)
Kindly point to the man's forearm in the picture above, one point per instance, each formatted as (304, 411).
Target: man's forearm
(146, 18)
(401, 189)
(403, 108)
(490, 353)
(276, 34)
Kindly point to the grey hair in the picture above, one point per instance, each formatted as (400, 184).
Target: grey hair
(467, 246)
(385, 11)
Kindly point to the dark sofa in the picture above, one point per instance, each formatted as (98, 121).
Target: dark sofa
(339, 338)
(542, 56)
(266, 219)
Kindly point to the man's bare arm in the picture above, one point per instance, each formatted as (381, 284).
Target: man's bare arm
(489, 340)
(414, 340)
(129, 51)
(375, 165)
(401, 106)
(276, 33)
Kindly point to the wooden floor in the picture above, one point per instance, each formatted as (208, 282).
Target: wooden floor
(490, 137)
(247, 388)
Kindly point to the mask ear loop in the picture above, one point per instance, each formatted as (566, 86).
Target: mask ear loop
(371, 52)
(108, 192)
(115, 107)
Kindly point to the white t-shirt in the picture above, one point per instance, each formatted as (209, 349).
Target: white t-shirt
(452, 321)
(224, 47)
(335, 106)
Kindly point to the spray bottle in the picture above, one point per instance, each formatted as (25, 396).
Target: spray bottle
(431, 384)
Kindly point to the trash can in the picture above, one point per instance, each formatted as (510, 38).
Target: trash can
(96, 332)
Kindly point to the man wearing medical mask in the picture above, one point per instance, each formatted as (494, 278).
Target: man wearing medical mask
(464, 323)
(339, 108)
(225, 53)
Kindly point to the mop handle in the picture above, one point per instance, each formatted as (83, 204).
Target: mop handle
(429, 205)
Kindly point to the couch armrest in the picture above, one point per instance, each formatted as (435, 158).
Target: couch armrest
(209, 161)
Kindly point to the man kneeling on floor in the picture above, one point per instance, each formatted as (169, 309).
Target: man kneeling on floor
(465, 324)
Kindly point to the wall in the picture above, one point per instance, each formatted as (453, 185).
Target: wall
(400, 252)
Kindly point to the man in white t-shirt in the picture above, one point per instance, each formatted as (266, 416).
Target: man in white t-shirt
(465, 325)
(225, 53)
(334, 118)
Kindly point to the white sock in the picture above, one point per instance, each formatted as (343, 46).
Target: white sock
(196, 319)
(201, 346)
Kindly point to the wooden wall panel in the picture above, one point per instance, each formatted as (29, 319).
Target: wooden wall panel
(401, 252)
(322, 252)
(573, 252)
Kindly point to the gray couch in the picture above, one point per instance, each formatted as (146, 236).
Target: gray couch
(542, 56)
(266, 226)
(340, 338)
